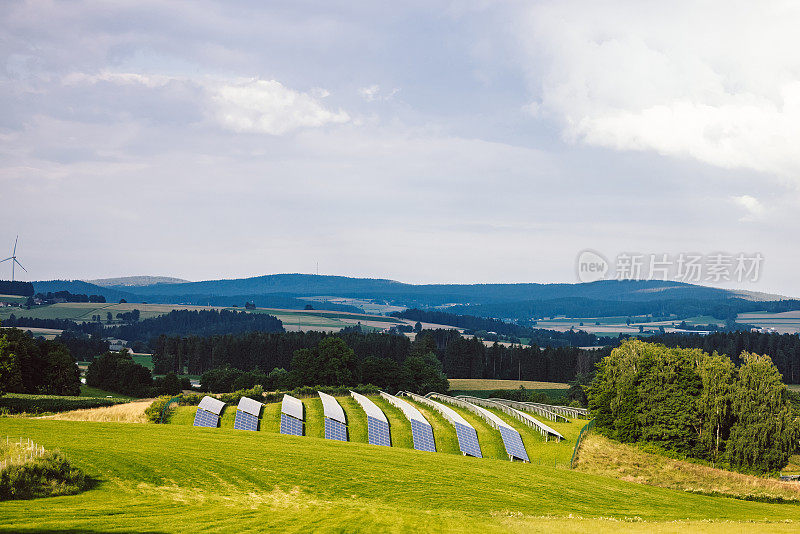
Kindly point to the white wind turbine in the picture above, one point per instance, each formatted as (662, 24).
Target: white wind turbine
(14, 261)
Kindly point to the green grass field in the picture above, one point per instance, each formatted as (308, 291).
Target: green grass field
(88, 391)
(176, 478)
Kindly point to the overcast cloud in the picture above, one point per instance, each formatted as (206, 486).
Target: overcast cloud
(425, 142)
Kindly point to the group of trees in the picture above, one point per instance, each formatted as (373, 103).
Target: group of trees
(21, 289)
(784, 349)
(333, 363)
(458, 357)
(198, 323)
(36, 366)
(696, 404)
(118, 372)
(66, 296)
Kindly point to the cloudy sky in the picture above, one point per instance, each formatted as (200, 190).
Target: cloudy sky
(421, 141)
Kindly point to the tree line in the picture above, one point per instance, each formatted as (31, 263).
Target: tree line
(20, 289)
(118, 372)
(483, 325)
(196, 322)
(36, 366)
(66, 296)
(459, 357)
(723, 309)
(784, 349)
(694, 403)
(333, 363)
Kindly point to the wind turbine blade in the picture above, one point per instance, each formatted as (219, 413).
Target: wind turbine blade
(18, 263)
(11, 258)
(15, 246)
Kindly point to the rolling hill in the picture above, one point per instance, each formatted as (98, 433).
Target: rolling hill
(174, 478)
(520, 301)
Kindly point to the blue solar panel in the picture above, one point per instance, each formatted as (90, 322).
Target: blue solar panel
(204, 418)
(378, 432)
(513, 442)
(291, 425)
(423, 436)
(468, 440)
(335, 430)
(245, 421)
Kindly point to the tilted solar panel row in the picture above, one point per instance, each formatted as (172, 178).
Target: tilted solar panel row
(378, 432)
(335, 430)
(245, 421)
(291, 425)
(468, 440)
(206, 419)
(422, 434)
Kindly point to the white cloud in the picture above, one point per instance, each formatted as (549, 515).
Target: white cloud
(373, 93)
(267, 106)
(240, 105)
(717, 81)
(752, 206)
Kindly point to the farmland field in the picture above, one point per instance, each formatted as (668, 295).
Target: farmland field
(47, 333)
(480, 384)
(292, 319)
(176, 478)
(783, 323)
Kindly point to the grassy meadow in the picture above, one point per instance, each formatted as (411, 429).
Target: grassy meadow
(176, 478)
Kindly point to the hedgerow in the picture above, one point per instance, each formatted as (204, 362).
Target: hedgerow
(23, 403)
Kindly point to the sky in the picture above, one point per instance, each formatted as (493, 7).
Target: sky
(469, 141)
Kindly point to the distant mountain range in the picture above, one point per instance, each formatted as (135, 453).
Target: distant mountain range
(135, 281)
(602, 298)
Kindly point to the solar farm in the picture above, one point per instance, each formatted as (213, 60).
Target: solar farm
(248, 467)
(497, 419)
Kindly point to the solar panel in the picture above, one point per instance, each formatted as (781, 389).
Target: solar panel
(335, 430)
(422, 434)
(468, 440)
(291, 425)
(331, 408)
(513, 443)
(245, 421)
(467, 435)
(421, 430)
(293, 407)
(207, 419)
(377, 424)
(378, 432)
(253, 407)
(210, 404)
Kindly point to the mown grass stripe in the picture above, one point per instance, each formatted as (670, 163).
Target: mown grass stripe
(315, 417)
(443, 432)
(399, 426)
(356, 420)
